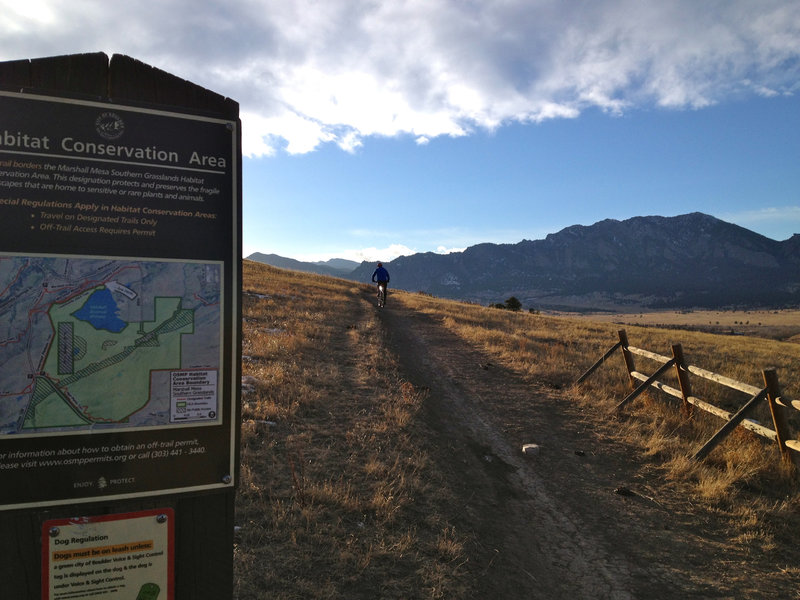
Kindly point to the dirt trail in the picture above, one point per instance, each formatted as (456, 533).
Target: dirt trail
(548, 526)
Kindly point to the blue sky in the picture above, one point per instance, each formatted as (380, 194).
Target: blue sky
(737, 161)
(373, 129)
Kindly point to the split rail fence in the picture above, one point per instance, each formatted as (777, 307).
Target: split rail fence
(788, 446)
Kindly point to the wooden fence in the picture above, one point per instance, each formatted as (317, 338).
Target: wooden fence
(788, 446)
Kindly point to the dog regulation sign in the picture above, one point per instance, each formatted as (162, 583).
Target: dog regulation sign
(124, 556)
(118, 260)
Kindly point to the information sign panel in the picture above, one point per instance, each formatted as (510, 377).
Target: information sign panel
(123, 556)
(118, 315)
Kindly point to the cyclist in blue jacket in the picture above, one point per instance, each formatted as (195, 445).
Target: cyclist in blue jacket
(381, 277)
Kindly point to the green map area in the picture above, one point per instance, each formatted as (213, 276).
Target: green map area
(98, 367)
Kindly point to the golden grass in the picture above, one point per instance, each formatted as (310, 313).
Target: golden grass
(554, 351)
(337, 494)
(691, 318)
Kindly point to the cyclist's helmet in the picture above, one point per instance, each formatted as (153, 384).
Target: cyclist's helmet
(380, 264)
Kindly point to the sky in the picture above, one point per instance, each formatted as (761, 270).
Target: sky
(373, 129)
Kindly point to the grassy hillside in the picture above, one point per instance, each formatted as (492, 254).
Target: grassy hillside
(337, 499)
(339, 496)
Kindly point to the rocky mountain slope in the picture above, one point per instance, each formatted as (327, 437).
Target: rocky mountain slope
(691, 260)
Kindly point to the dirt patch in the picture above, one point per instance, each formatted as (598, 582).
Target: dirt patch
(583, 518)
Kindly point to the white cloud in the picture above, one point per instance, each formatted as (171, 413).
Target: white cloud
(778, 223)
(308, 73)
(445, 240)
(21, 16)
(783, 213)
(384, 254)
(370, 254)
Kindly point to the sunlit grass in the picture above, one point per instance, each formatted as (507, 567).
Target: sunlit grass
(337, 492)
(333, 465)
(554, 351)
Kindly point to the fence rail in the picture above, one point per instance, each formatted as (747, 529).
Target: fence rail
(640, 382)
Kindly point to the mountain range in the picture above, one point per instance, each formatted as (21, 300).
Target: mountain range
(336, 267)
(688, 261)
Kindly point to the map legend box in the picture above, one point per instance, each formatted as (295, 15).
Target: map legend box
(193, 395)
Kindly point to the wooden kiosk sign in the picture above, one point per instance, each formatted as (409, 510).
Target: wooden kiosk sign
(120, 264)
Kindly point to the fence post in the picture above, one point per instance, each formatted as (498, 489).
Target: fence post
(683, 378)
(778, 415)
(732, 423)
(628, 356)
(602, 359)
(644, 385)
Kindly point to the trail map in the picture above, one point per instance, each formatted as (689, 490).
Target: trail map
(88, 343)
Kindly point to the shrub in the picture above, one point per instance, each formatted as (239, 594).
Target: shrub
(513, 304)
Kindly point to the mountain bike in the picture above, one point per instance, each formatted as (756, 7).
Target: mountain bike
(381, 295)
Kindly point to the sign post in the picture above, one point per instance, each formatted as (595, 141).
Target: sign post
(120, 262)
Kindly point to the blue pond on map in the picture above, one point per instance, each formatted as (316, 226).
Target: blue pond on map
(100, 311)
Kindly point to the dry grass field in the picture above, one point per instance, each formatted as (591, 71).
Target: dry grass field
(380, 456)
(337, 499)
(781, 325)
